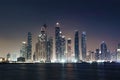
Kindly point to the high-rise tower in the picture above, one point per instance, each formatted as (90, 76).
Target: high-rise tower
(63, 47)
(76, 46)
(83, 45)
(29, 46)
(58, 42)
(103, 50)
(97, 54)
(118, 52)
(69, 50)
(49, 49)
(41, 46)
(23, 50)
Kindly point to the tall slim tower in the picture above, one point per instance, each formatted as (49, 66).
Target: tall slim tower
(103, 50)
(8, 56)
(49, 49)
(83, 45)
(29, 46)
(63, 47)
(76, 46)
(118, 52)
(41, 46)
(58, 42)
(97, 54)
(69, 50)
(23, 50)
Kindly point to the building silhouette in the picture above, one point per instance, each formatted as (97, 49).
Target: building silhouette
(29, 46)
(76, 46)
(63, 47)
(108, 55)
(118, 52)
(49, 49)
(114, 56)
(23, 50)
(97, 54)
(41, 46)
(58, 42)
(8, 57)
(69, 50)
(103, 50)
(83, 45)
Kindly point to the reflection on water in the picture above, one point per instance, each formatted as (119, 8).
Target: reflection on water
(55, 71)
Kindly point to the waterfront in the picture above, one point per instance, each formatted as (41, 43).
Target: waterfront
(56, 71)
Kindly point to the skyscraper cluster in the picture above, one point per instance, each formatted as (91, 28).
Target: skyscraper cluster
(64, 51)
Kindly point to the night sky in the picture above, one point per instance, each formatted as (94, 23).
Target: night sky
(99, 18)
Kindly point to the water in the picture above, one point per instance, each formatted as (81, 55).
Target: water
(56, 71)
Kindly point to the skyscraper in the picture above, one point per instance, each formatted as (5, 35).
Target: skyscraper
(97, 54)
(91, 55)
(41, 46)
(118, 52)
(63, 47)
(29, 46)
(103, 50)
(69, 50)
(23, 50)
(108, 56)
(49, 49)
(83, 45)
(8, 57)
(114, 56)
(76, 46)
(58, 42)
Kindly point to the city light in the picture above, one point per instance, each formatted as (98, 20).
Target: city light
(75, 60)
(64, 52)
(63, 61)
(99, 61)
(57, 23)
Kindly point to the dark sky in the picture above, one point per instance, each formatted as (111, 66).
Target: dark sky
(99, 18)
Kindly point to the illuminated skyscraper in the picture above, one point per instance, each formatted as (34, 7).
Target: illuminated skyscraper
(23, 50)
(114, 56)
(118, 53)
(41, 46)
(63, 47)
(108, 56)
(58, 42)
(49, 49)
(69, 50)
(97, 54)
(76, 46)
(103, 51)
(83, 45)
(29, 46)
(8, 56)
(91, 55)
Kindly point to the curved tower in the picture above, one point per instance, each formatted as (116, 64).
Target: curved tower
(76, 45)
(83, 45)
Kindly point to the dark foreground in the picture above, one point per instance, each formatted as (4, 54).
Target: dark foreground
(56, 71)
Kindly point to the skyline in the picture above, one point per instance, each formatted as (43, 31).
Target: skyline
(100, 21)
